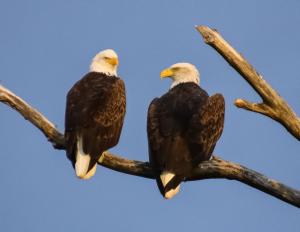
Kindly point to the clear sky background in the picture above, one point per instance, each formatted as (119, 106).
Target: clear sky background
(46, 46)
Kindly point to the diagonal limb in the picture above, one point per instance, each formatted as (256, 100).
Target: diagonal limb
(273, 105)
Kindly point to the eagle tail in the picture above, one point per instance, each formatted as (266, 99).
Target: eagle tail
(170, 184)
(83, 167)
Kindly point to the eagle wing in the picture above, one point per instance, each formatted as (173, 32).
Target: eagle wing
(159, 127)
(206, 126)
(154, 137)
(95, 112)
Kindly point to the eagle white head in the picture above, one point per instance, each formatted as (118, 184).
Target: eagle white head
(106, 62)
(181, 73)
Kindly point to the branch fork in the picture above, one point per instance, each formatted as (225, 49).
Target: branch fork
(273, 105)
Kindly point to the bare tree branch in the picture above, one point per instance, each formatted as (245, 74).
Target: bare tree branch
(35, 117)
(214, 168)
(273, 105)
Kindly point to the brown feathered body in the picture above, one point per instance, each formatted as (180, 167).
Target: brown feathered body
(183, 128)
(95, 113)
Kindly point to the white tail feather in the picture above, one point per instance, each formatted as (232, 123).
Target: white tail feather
(166, 177)
(82, 160)
(91, 172)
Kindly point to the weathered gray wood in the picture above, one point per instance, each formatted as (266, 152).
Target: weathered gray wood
(273, 105)
(215, 168)
(34, 116)
(218, 168)
(131, 167)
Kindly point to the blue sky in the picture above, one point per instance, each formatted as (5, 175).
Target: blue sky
(46, 46)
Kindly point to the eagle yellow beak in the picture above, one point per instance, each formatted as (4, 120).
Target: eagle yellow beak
(113, 61)
(166, 73)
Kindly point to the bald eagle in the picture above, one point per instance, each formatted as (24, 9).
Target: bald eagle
(95, 112)
(183, 127)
